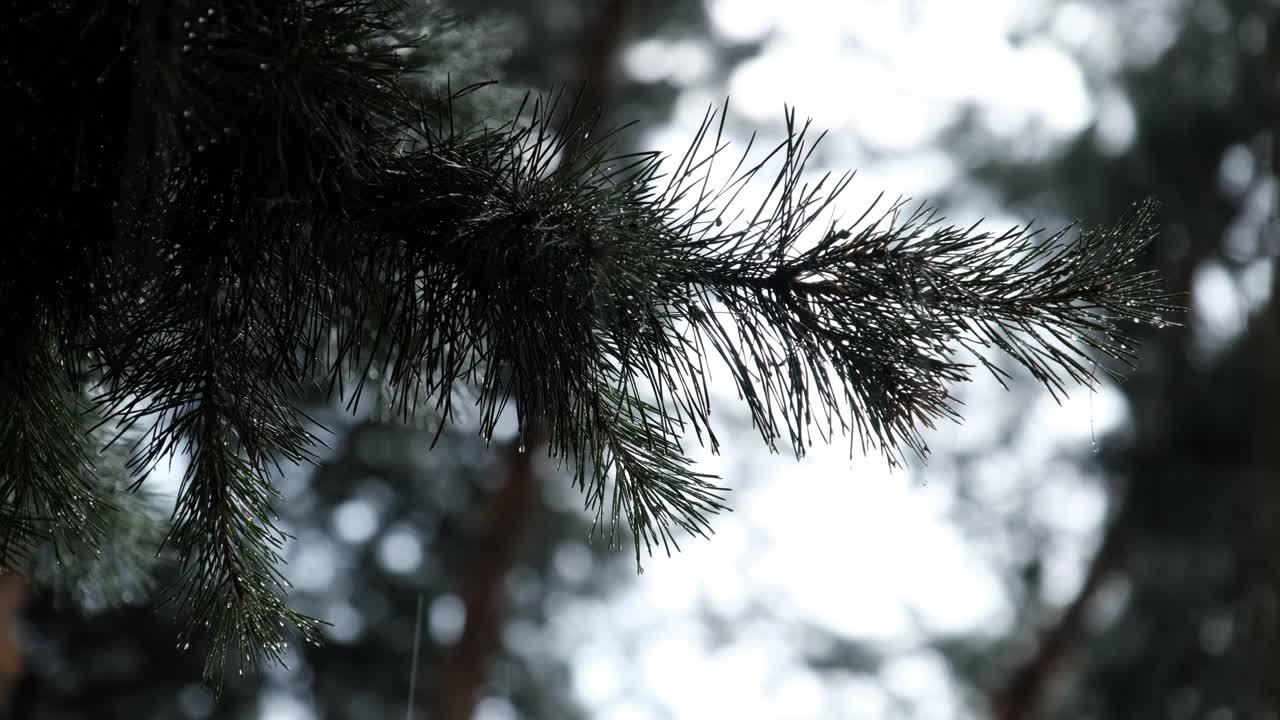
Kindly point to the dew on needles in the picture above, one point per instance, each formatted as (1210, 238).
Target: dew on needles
(449, 255)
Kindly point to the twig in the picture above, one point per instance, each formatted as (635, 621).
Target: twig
(413, 664)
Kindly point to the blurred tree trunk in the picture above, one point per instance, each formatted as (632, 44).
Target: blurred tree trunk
(1020, 698)
(12, 595)
(464, 666)
(600, 47)
(1262, 624)
(1263, 551)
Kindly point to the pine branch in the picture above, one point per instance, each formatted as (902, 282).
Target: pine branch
(292, 215)
(216, 390)
(47, 488)
(120, 570)
(564, 288)
(885, 304)
(654, 487)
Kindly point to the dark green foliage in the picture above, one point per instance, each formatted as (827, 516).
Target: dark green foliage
(120, 570)
(46, 476)
(123, 663)
(263, 204)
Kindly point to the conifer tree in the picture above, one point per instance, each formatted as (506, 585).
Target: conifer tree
(228, 206)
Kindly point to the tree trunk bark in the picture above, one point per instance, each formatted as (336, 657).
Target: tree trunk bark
(12, 596)
(464, 666)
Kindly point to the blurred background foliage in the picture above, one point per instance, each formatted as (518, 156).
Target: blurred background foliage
(1187, 569)
(1176, 611)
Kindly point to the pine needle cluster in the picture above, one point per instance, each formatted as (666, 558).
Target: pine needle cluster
(232, 205)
